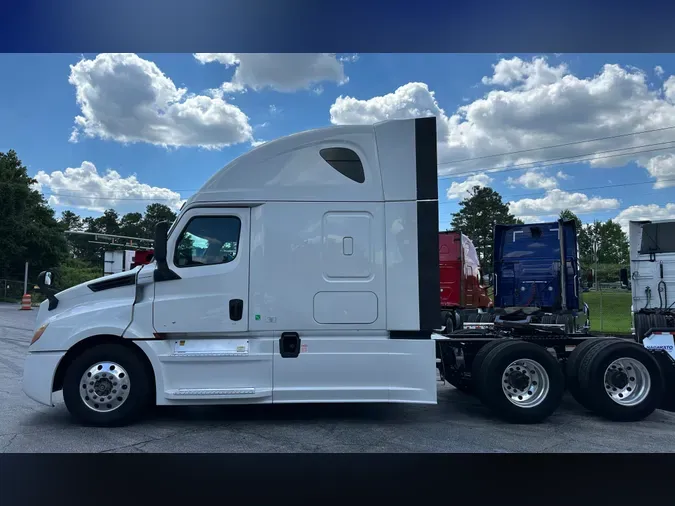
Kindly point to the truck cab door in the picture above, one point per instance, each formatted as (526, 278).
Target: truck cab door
(204, 315)
(209, 250)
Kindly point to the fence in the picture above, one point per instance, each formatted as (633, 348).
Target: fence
(12, 291)
(608, 298)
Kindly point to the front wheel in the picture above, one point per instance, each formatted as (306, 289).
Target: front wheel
(107, 385)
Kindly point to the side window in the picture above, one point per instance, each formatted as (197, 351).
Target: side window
(346, 162)
(208, 240)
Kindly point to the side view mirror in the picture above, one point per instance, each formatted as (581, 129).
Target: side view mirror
(44, 282)
(161, 232)
(624, 276)
(162, 273)
(44, 279)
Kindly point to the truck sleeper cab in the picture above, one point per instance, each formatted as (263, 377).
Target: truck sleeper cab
(304, 271)
(652, 275)
(529, 285)
(462, 292)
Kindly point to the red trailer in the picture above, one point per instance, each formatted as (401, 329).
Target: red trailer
(462, 290)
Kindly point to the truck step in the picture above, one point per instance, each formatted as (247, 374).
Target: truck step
(216, 393)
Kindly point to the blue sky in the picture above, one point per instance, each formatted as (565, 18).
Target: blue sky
(165, 122)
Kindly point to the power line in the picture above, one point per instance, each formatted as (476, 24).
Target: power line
(518, 167)
(600, 187)
(558, 145)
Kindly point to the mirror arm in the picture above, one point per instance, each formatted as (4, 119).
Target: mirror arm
(47, 291)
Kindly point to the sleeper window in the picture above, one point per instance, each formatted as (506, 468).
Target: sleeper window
(208, 240)
(346, 162)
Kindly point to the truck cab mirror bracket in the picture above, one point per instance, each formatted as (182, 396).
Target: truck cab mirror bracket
(44, 281)
(162, 272)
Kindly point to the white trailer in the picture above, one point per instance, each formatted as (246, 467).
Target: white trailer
(307, 270)
(116, 261)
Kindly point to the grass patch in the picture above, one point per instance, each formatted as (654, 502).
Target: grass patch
(615, 313)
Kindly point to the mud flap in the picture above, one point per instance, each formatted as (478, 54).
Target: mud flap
(661, 342)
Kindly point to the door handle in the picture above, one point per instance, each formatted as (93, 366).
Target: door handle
(236, 309)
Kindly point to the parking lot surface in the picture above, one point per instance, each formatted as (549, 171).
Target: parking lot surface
(458, 423)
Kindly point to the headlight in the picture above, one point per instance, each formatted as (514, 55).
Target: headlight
(38, 333)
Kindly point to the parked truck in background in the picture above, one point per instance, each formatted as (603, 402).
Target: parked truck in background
(652, 275)
(307, 270)
(529, 284)
(463, 293)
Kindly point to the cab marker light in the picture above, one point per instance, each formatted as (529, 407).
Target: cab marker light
(38, 333)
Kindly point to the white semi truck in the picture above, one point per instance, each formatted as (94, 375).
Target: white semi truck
(652, 275)
(307, 270)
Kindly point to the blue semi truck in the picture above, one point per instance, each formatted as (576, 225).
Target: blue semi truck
(530, 285)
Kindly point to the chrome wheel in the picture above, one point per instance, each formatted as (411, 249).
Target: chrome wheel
(627, 381)
(525, 383)
(104, 387)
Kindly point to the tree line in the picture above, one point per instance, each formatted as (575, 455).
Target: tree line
(603, 246)
(30, 231)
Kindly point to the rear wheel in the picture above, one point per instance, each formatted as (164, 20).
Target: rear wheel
(478, 361)
(520, 381)
(622, 381)
(572, 369)
(107, 385)
(642, 325)
(449, 323)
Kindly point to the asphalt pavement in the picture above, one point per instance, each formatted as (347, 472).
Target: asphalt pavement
(458, 423)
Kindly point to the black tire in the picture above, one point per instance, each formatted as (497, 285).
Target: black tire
(489, 382)
(139, 395)
(548, 319)
(642, 325)
(567, 320)
(572, 369)
(449, 324)
(592, 380)
(657, 321)
(486, 318)
(478, 361)
(472, 317)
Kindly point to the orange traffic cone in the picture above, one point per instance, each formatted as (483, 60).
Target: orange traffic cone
(26, 302)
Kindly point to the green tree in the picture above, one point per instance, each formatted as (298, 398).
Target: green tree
(567, 215)
(614, 247)
(131, 225)
(28, 229)
(477, 216)
(155, 213)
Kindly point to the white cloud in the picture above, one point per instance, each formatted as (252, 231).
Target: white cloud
(128, 99)
(409, 101)
(645, 212)
(284, 72)
(563, 176)
(83, 187)
(459, 190)
(527, 75)
(658, 70)
(557, 200)
(350, 59)
(534, 180)
(662, 168)
(537, 105)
